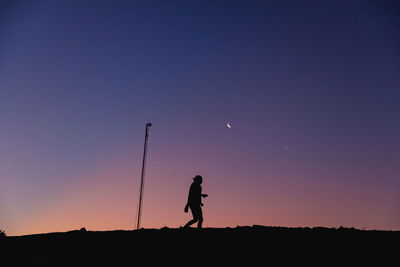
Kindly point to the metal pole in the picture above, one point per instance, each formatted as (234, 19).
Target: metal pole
(148, 125)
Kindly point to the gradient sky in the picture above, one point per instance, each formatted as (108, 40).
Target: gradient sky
(312, 91)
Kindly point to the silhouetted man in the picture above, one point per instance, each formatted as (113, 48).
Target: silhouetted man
(194, 202)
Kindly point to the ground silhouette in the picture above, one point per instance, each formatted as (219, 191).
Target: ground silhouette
(256, 245)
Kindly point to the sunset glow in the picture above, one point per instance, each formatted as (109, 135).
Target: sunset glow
(312, 92)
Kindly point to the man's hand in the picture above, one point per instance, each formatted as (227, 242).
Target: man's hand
(186, 208)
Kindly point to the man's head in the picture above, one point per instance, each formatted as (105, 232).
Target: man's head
(198, 179)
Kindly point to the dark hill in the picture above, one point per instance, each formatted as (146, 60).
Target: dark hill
(250, 246)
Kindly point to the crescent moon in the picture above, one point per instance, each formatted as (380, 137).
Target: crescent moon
(229, 125)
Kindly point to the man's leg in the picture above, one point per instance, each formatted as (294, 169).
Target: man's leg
(190, 223)
(200, 218)
(195, 214)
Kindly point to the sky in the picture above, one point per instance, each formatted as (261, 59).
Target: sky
(310, 88)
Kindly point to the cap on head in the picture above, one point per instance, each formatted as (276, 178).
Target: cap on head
(198, 178)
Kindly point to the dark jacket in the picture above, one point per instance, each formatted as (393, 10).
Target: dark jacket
(194, 194)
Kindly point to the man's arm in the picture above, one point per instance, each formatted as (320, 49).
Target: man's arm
(188, 201)
(187, 204)
(203, 195)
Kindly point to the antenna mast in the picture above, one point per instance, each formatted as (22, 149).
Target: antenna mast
(139, 213)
